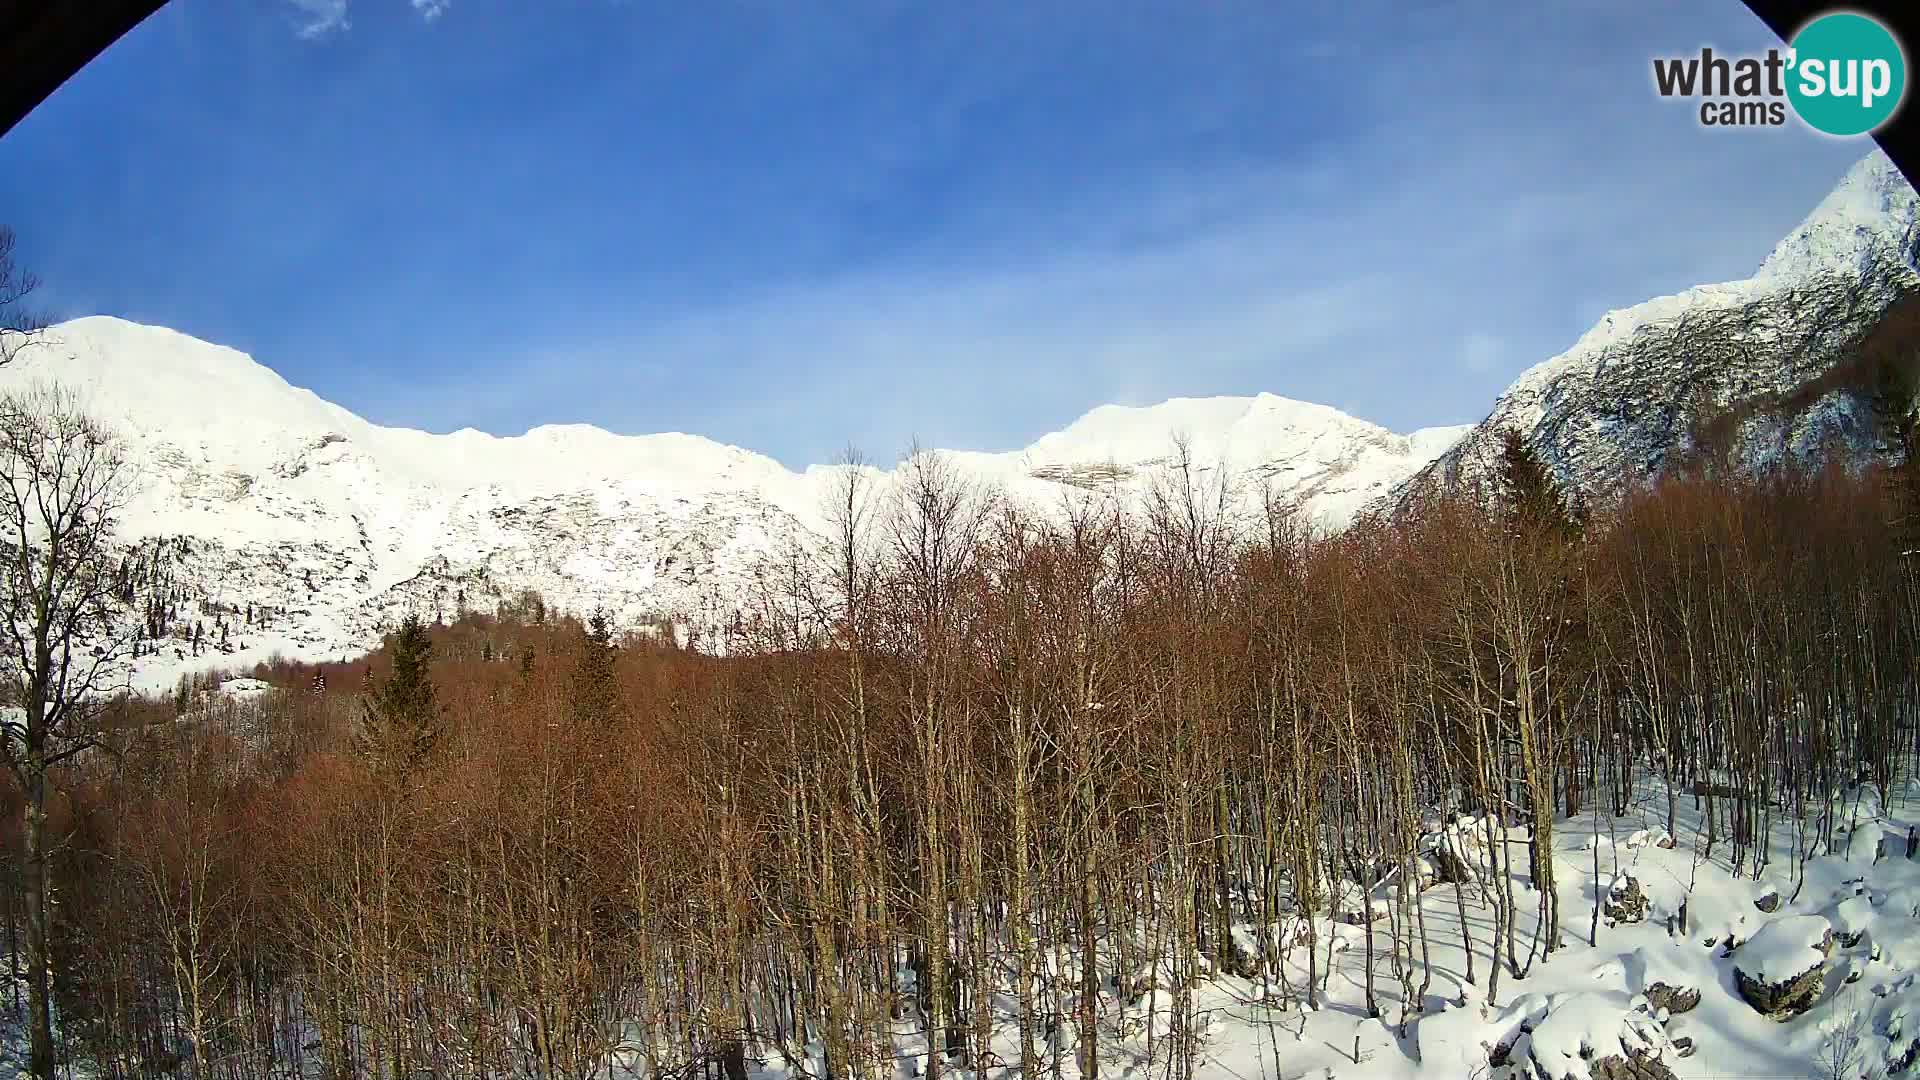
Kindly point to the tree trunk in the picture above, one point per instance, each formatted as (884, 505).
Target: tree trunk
(39, 936)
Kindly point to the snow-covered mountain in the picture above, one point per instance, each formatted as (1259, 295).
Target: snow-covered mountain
(285, 523)
(1750, 371)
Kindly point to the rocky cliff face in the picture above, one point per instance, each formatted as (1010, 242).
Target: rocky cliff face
(1750, 371)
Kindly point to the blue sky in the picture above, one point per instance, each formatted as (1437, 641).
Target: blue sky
(792, 226)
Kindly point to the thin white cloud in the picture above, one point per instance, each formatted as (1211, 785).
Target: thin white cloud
(323, 18)
(318, 18)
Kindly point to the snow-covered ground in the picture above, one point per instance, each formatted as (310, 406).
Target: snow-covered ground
(1627, 994)
(1661, 986)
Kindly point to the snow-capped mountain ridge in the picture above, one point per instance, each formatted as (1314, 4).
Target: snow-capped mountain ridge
(1872, 207)
(280, 501)
(272, 499)
(1643, 382)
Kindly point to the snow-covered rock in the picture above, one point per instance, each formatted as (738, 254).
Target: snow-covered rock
(1565, 1035)
(245, 687)
(1592, 1036)
(1780, 969)
(1851, 918)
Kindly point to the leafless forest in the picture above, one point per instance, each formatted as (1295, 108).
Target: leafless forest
(964, 762)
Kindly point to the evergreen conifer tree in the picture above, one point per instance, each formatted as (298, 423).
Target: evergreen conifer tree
(1893, 400)
(402, 716)
(595, 698)
(1530, 495)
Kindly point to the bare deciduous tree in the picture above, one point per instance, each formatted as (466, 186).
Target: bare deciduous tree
(20, 325)
(63, 479)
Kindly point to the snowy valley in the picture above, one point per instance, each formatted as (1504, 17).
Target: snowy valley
(1484, 789)
(1566, 726)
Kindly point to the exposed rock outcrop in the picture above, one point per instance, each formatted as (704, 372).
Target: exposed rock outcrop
(1674, 999)
(1751, 372)
(1781, 969)
(1626, 902)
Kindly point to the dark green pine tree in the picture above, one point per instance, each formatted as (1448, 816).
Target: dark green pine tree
(1893, 400)
(594, 695)
(402, 716)
(1530, 495)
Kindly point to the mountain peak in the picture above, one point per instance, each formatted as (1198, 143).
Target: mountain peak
(151, 376)
(1241, 429)
(1870, 214)
(1741, 369)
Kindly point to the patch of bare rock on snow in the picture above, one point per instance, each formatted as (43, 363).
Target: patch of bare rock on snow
(1627, 903)
(1674, 1000)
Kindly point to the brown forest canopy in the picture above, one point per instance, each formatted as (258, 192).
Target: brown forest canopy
(986, 737)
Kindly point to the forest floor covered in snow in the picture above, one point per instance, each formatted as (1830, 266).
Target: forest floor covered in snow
(1830, 945)
(1842, 930)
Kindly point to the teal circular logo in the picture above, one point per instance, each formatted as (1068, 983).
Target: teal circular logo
(1847, 74)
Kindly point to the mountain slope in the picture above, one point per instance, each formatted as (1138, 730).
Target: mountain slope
(277, 521)
(273, 520)
(1747, 370)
